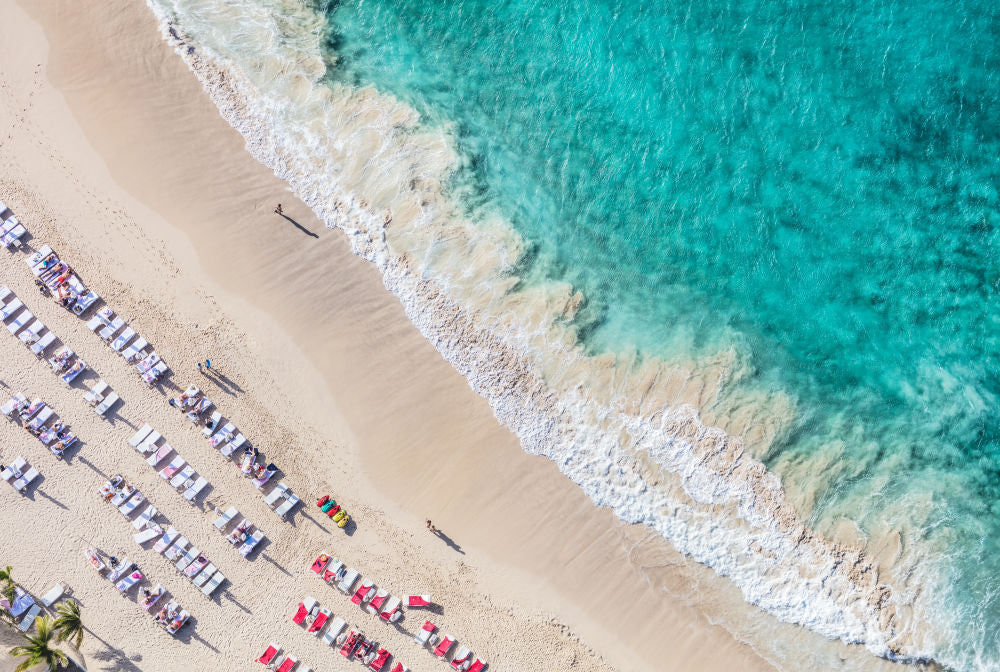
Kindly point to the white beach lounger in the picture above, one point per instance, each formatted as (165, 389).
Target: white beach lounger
(32, 408)
(154, 597)
(29, 619)
(335, 628)
(22, 483)
(30, 335)
(214, 583)
(251, 542)
(212, 424)
(140, 436)
(223, 521)
(107, 332)
(168, 471)
(348, 581)
(148, 444)
(167, 539)
(204, 575)
(122, 339)
(35, 260)
(132, 352)
(119, 570)
(75, 371)
(107, 404)
(146, 535)
(280, 491)
(126, 492)
(9, 308)
(13, 236)
(145, 517)
(8, 407)
(193, 491)
(4, 293)
(84, 301)
(130, 505)
(42, 417)
(177, 549)
(155, 373)
(228, 449)
(130, 580)
(187, 558)
(16, 467)
(96, 394)
(160, 454)
(223, 434)
(53, 595)
(194, 415)
(39, 347)
(95, 322)
(22, 319)
(148, 362)
(184, 475)
(288, 505)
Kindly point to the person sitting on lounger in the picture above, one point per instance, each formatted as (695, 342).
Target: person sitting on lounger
(64, 277)
(34, 431)
(239, 535)
(162, 616)
(59, 447)
(52, 271)
(76, 367)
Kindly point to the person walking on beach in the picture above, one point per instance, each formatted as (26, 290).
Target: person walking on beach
(278, 210)
(430, 526)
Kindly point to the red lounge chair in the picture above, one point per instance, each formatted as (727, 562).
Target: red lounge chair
(375, 606)
(300, 615)
(425, 633)
(353, 639)
(391, 611)
(321, 619)
(272, 651)
(461, 658)
(445, 645)
(362, 592)
(320, 563)
(380, 660)
(287, 664)
(418, 601)
(477, 666)
(400, 668)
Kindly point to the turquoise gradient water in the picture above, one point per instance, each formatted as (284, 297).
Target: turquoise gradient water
(813, 184)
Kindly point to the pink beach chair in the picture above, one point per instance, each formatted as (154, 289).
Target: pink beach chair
(425, 633)
(418, 601)
(351, 644)
(444, 646)
(300, 614)
(321, 618)
(287, 664)
(477, 666)
(362, 593)
(376, 604)
(320, 563)
(463, 657)
(400, 667)
(391, 611)
(381, 658)
(270, 654)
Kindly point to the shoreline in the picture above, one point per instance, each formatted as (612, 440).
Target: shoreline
(405, 426)
(113, 121)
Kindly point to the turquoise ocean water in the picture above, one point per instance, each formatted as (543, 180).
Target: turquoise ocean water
(811, 183)
(812, 186)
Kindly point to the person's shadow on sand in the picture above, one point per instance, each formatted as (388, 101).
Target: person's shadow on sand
(448, 540)
(298, 226)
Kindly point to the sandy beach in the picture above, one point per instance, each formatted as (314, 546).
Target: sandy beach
(114, 156)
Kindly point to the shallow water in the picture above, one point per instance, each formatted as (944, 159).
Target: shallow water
(804, 198)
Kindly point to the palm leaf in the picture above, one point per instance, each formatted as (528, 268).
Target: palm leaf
(69, 623)
(38, 650)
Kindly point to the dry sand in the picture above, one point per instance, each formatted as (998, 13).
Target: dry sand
(112, 154)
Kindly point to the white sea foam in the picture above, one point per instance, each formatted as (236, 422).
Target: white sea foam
(627, 431)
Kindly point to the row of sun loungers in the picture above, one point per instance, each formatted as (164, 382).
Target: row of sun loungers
(241, 535)
(55, 275)
(180, 475)
(279, 493)
(124, 574)
(34, 417)
(17, 476)
(11, 230)
(100, 399)
(34, 336)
